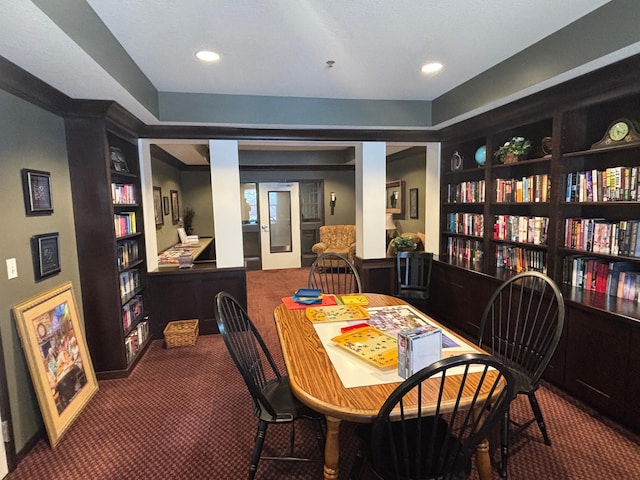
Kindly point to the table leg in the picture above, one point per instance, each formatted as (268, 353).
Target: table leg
(483, 460)
(332, 449)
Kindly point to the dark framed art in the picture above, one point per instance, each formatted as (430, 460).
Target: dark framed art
(395, 197)
(58, 358)
(165, 205)
(413, 203)
(46, 255)
(36, 186)
(175, 207)
(157, 206)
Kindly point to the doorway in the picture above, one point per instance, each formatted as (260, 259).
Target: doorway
(279, 225)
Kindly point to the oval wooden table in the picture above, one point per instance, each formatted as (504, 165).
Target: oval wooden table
(315, 381)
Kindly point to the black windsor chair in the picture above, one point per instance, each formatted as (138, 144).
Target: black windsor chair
(414, 275)
(334, 273)
(406, 443)
(273, 400)
(521, 326)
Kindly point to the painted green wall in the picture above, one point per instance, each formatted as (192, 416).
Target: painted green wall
(411, 169)
(167, 178)
(35, 139)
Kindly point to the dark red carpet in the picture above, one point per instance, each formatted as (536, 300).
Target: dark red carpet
(185, 414)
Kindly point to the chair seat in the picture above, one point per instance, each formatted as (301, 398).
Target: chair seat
(413, 294)
(286, 405)
(428, 424)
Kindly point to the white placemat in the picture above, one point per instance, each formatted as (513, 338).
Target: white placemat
(355, 372)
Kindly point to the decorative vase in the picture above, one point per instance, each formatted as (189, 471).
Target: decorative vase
(510, 158)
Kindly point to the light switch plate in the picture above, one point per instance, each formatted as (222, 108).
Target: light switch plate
(12, 268)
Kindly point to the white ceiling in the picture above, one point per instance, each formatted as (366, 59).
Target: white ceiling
(280, 47)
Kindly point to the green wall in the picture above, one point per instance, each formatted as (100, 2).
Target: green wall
(411, 169)
(31, 138)
(167, 178)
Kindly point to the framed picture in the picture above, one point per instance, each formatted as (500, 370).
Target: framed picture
(413, 203)
(395, 197)
(46, 255)
(165, 205)
(157, 206)
(36, 186)
(175, 207)
(118, 162)
(56, 352)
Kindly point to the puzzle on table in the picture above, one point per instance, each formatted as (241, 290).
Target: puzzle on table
(338, 313)
(370, 344)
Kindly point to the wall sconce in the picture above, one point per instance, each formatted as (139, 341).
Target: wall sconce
(332, 201)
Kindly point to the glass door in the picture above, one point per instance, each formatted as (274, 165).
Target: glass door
(279, 225)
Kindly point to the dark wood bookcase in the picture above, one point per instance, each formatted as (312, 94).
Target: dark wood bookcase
(597, 358)
(110, 239)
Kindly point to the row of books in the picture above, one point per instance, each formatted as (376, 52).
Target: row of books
(520, 259)
(130, 311)
(125, 223)
(610, 185)
(466, 223)
(464, 249)
(123, 193)
(127, 253)
(600, 236)
(617, 279)
(129, 283)
(533, 188)
(519, 228)
(136, 339)
(466, 192)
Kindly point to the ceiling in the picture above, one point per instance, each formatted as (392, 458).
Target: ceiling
(280, 48)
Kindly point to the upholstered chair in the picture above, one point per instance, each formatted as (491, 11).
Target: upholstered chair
(337, 239)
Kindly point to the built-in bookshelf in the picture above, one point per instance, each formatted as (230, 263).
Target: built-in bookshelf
(104, 169)
(571, 209)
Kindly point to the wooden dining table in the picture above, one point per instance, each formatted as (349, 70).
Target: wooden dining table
(315, 381)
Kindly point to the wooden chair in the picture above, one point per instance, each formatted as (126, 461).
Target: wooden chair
(413, 444)
(334, 273)
(521, 326)
(273, 401)
(414, 275)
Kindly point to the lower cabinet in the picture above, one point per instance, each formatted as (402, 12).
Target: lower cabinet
(184, 294)
(597, 360)
(596, 363)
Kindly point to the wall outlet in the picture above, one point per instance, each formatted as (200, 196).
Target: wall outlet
(12, 268)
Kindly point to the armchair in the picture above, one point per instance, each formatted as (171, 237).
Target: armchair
(337, 239)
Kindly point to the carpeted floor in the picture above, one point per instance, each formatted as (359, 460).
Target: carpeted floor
(185, 414)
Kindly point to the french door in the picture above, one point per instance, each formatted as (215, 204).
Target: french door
(279, 225)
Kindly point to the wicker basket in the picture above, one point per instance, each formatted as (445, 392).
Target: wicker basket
(181, 333)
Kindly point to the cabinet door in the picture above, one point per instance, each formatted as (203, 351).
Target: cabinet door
(632, 413)
(597, 359)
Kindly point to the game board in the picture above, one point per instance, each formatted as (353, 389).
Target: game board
(370, 344)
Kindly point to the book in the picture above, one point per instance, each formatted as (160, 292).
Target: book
(337, 313)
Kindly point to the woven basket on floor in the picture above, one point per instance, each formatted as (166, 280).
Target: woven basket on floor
(181, 333)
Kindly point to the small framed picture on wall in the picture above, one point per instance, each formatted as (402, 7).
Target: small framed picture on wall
(413, 203)
(36, 186)
(175, 207)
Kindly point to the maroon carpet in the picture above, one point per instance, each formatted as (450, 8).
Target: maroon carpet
(185, 414)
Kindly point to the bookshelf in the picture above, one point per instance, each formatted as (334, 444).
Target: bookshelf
(104, 169)
(571, 209)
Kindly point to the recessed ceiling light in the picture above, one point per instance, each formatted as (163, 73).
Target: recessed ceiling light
(431, 67)
(207, 56)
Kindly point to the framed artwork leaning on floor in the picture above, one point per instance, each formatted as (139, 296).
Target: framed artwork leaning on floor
(56, 352)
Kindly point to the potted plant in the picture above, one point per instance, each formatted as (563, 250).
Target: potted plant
(512, 150)
(402, 243)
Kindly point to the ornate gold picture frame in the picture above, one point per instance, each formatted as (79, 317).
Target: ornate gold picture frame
(56, 352)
